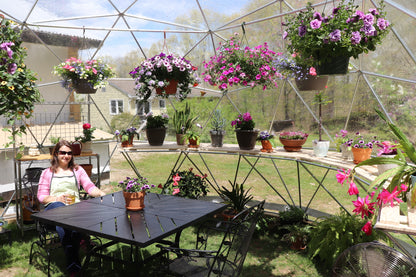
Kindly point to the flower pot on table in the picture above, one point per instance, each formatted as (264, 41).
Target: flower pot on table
(266, 146)
(169, 89)
(217, 138)
(193, 143)
(82, 86)
(346, 153)
(180, 139)
(292, 145)
(337, 65)
(156, 136)
(361, 154)
(134, 200)
(127, 143)
(76, 148)
(86, 147)
(246, 139)
(320, 147)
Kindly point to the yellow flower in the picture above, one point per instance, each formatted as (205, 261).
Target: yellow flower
(11, 87)
(4, 83)
(20, 70)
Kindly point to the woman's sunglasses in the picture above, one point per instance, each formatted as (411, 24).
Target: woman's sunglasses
(63, 153)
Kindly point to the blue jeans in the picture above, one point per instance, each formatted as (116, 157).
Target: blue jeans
(70, 241)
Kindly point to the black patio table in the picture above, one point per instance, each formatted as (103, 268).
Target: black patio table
(107, 217)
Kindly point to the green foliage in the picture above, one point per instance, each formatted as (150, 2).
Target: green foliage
(54, 140)
(218, 121)
(186, 184)
(299, 232)
(237, 197)
(331, 236)
(182, 120)
(156, 121)
(291, 215)
(123, 121)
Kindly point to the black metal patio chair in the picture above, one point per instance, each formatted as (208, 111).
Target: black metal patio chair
(210, 258)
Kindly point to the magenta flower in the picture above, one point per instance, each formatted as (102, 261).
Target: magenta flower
(363, 206)
(385, 196)
(335, 35)
(342, 176)
(176, 191)
(367, 228)
(353, 190)
(315, 24)
(382, 23)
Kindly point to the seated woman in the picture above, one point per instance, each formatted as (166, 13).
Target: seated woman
(57, 184)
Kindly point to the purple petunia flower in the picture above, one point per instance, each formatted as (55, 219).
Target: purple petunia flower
(368, 30)
(317, 15)
(302, 30)
(11, 69)
(356, 37)
(316, 24)
(335, 35)
(382, 23)
(368, 19)
(284, 36)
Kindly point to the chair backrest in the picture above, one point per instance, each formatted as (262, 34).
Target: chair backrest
(233, 250)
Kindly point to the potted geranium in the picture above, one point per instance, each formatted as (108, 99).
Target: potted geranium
(185, 183)
(245, 132)
(293, 141)
(165, 73)
(18, 90)
(127, 135)
(264, 137)
(134, 190)
(238, 65)
(217, 132)
(156, 128)
(332, 39)
(86, 138)
(301, 70)
(85, 77)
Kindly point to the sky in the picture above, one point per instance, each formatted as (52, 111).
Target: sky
(46, 12)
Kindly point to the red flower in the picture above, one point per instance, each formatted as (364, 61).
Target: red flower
(160, 186)
(367, 228)
(353, 190)
(385, 196)
(363, 206)
(86, 126)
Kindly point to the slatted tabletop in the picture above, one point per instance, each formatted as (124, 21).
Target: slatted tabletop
(107, 217)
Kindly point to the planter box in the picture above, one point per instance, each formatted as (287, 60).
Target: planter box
(390, 219)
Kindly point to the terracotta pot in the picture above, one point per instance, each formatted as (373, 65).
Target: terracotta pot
(156, 136)
(86, 147)
(76, 148)
(266, 146)
(82, 86)
(312, 83)
(338, 65)
(361, 154)
(180, 139)
(134, 200)
(127, 143)
(193, 143)
(87, 168)
(169, 89)
(228, 214)
(246, 139)
(292, 145)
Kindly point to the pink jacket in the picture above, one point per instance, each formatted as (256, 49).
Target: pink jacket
(46, 178)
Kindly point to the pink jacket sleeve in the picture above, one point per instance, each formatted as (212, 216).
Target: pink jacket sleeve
(44, 184)
(84, 180)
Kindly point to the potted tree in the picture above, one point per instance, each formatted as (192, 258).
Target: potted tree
(182, 122)
(84, 77)
(237, 198)
(156, 128)
(165, 73)
(332, 39)
(320, 147)
(217, 132)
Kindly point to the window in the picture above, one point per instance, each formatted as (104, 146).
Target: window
(116, 107)
(162, 103)
(143, 108)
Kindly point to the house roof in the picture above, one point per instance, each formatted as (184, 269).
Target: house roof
(126, 85)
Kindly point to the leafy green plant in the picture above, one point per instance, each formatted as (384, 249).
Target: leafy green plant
(237, 197)
(218, 121)
(156, 121)
(331, 236)
(291, 215)
(182, 120)
(54, 140)
(297, 234)
(186, 184)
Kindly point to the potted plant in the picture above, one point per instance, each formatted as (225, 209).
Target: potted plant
(236, 198)
(297, 235)
(386, 149)
(193, 137)
(127, 135)
(86, 138)
(134, 191)
(361, 147)
(54, 141)
(320, 147)
(301, 70)
(244, 129)
(237, 65)
(164, 72)
(264, 137)
(182, 122)
(18, 90)
(332, 39)
(217, 132)
(85, 77)
(185, 183)
(293, 141)
(156, 128)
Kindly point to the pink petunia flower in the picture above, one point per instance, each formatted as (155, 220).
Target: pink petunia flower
(176, 191)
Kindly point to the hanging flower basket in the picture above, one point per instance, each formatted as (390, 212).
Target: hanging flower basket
(169, 89)
(312, 83)
(82, 86)
(335, 66)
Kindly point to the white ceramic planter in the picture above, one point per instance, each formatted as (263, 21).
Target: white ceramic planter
(384, 167)
(320, 148)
